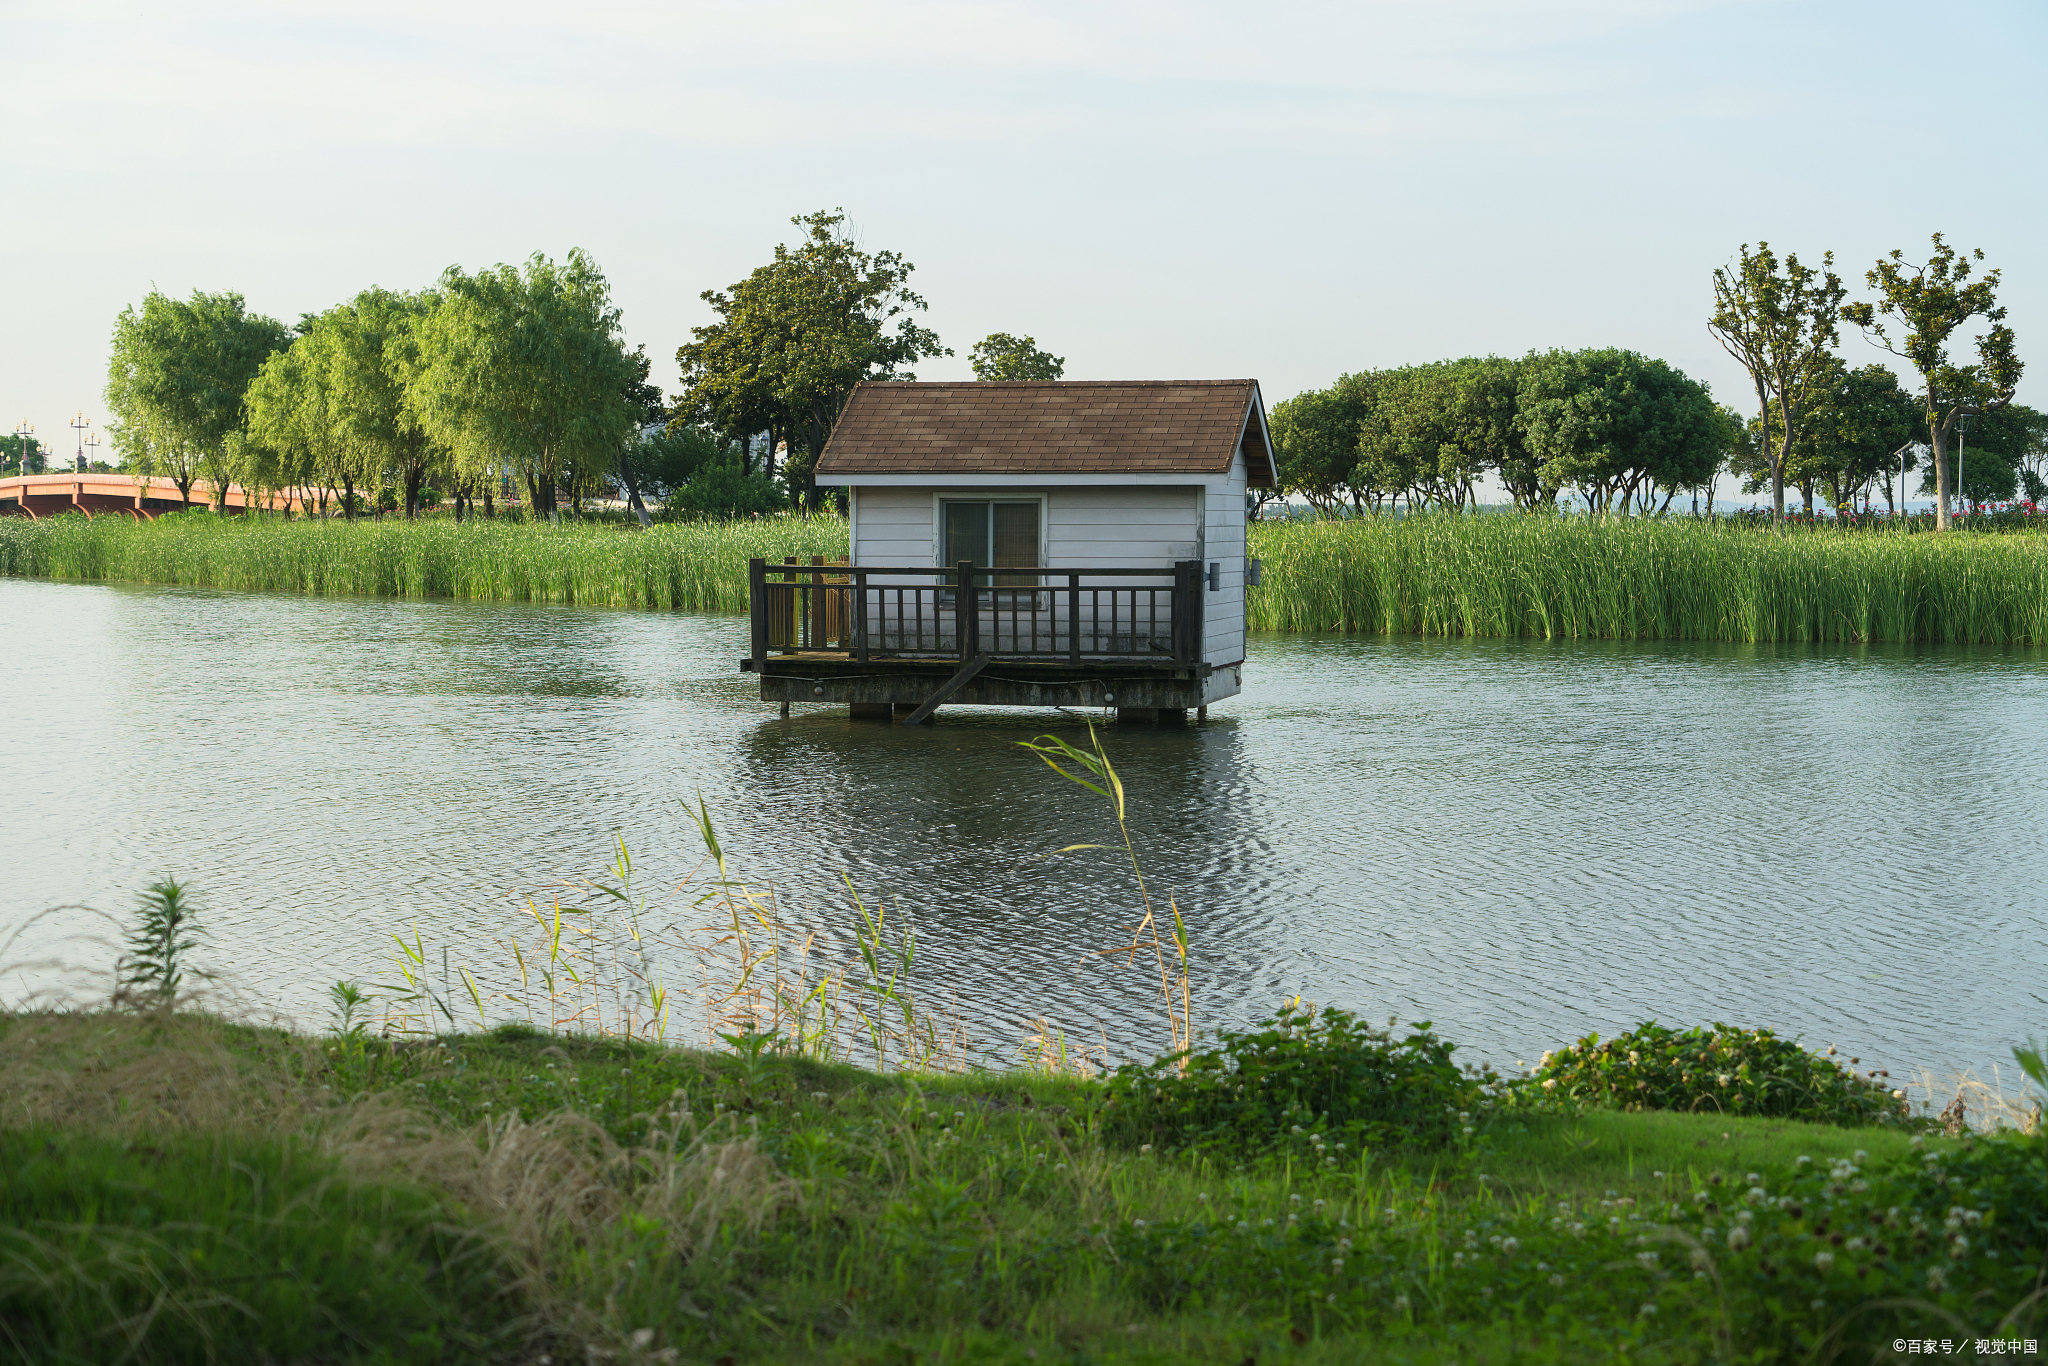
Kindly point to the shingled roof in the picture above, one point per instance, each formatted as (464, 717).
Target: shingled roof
(1056, 427)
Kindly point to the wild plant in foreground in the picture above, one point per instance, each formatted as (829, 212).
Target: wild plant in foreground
(163, 932)
(1174, 989)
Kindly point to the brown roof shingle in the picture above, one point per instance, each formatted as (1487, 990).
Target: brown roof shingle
(1053, 427)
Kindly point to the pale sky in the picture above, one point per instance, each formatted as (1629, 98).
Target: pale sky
(1190, 190)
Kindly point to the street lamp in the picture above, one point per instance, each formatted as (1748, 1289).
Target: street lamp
(1900, 456)
(92, 450)
(80, 424)
(1962, 436)
(26, 431)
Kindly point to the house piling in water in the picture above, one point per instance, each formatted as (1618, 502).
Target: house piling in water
(1025, 544)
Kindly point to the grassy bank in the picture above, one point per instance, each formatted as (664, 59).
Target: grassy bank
(693, 566)
(1649, 580)
(181, 1187)
(1490, 576)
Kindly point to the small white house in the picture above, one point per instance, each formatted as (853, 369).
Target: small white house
(1092, 504)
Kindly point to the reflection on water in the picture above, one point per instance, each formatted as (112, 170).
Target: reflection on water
(1520, 840)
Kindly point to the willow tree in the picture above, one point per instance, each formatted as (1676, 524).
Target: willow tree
(177, 374)
(1781, 323)
(1927, 303)
(295, 419)
(794, 338)
(525, 367)
(371, 351)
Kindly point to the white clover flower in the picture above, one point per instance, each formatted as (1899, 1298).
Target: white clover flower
(1144, 1147)
(1648, 1259)
(1556, 1279)
(1824, 1262)
(1802, 1161)
(1648, 1310)
(1202, 1196)
(1756, 1195)
(1738, 1238)
(1861, 1157)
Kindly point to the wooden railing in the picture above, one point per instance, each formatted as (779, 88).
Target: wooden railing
(892, 612)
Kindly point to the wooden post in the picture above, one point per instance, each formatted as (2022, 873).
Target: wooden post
(1073, 618)
(859, 580)
(757, 609)
(1187, 611)
(967, 609)
(819, 635)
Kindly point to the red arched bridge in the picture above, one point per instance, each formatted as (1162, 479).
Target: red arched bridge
(48, 495)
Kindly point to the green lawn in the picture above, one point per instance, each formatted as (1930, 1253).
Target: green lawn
(186, 1185)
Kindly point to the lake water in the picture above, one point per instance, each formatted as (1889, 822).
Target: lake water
(1519, 840)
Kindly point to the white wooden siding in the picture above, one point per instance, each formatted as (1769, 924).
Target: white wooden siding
(1223, 546)
(1125, 526)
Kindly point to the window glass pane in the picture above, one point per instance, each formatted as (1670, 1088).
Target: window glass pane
(966, 533)
(1016, 533)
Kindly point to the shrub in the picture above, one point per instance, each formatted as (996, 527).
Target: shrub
(1321, 1080)
(1956, 1236)
(1738, 1071)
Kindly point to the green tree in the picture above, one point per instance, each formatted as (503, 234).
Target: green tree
(1617, 426)
(1927, 303)
(527, 367)
(794, 338)
(371, 349)
(2000, 455)
(14, 448)
(295, 420)
(1781, 325)
(1315, 435)
(176, 379)
(645, 398)
(1000, 356)
(1857, 422)
(1431, 431)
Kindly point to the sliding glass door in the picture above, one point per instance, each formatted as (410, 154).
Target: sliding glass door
(994, 534)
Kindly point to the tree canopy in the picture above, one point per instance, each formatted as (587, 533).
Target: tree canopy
(1780, 322)
(1918, 309)
(1617, 426)
(177, 375)
(526, 366)
(1000, 356)
(793, 339)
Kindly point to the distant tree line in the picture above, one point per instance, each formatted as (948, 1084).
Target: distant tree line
(1629, 433)
(520, 377)
(1625, 431)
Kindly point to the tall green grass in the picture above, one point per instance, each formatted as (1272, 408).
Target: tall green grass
(1559, 577)
(696, 566)
(1643, 579)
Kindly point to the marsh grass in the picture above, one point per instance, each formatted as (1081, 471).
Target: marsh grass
(1647, 579)
(693, 566)
(1557, 577)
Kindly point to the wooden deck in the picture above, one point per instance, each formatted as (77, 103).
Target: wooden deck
(902, 639)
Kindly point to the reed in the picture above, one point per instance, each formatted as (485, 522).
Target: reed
(1647, 579)
(692, 566)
